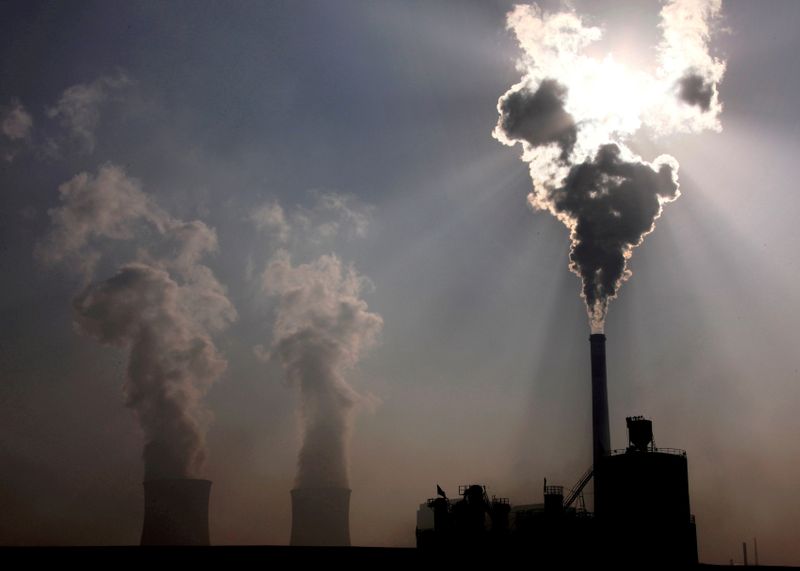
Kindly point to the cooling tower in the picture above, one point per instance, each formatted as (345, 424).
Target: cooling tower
(321, 516)
(176, 512)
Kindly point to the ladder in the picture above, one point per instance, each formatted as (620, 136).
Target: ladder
(577, 489)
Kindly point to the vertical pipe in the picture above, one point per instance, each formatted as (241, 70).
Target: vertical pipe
(755, 548)
(744, 552)
(601, 439)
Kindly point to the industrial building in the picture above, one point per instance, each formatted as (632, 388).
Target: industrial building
(641, 512)
(641, 506)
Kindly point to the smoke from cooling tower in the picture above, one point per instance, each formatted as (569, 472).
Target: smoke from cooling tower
(573, 113)
(322, 327)
(162, 307)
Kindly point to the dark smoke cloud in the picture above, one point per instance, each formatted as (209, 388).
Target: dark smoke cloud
(695, 90)
(572, 114)
(538, 117)
(162, 308)
(614, 204)
(608, 202)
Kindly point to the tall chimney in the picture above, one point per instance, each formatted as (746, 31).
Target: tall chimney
(176, 512)
(601, 438)
(321, 516)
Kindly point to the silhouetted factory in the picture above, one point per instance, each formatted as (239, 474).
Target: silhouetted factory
(641, 503)
(641, 511)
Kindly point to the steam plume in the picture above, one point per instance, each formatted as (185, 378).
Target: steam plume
(16, 127)
(78, 108)
(15, 122)
(162, 307)
(572, 114)
(321, 330)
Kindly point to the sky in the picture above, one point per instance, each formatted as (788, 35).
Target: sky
(346, 148)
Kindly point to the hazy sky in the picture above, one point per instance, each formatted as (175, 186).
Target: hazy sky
(220, 111)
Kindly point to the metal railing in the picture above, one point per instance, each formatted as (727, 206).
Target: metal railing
(462, 489)
(578, 488)
(674, 451)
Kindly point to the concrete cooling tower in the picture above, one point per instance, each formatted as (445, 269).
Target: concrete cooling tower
(176, 512)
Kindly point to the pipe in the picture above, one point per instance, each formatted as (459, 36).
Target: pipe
(601, 438)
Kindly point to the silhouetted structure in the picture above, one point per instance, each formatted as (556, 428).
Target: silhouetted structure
(176, 512)
(641, 509)
(601, 436)
(472, 522)
(321, 517)
(644, 508)
(643, 514)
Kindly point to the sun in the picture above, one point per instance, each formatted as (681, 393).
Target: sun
(608, 98)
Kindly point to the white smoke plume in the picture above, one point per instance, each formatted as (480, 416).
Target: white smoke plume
(270, 219)
(96, 209)
(573, 113)
(16, 126)
(163, 307)
(332, 215)
(78, 108)
(322, 329)
(15, 122)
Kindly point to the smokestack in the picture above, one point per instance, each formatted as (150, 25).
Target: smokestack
(601, 438)
(176, 512)
(321, 516)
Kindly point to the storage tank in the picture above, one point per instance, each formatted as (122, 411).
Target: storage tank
(644, 509)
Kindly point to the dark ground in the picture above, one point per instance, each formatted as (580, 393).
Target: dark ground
(280, 556)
